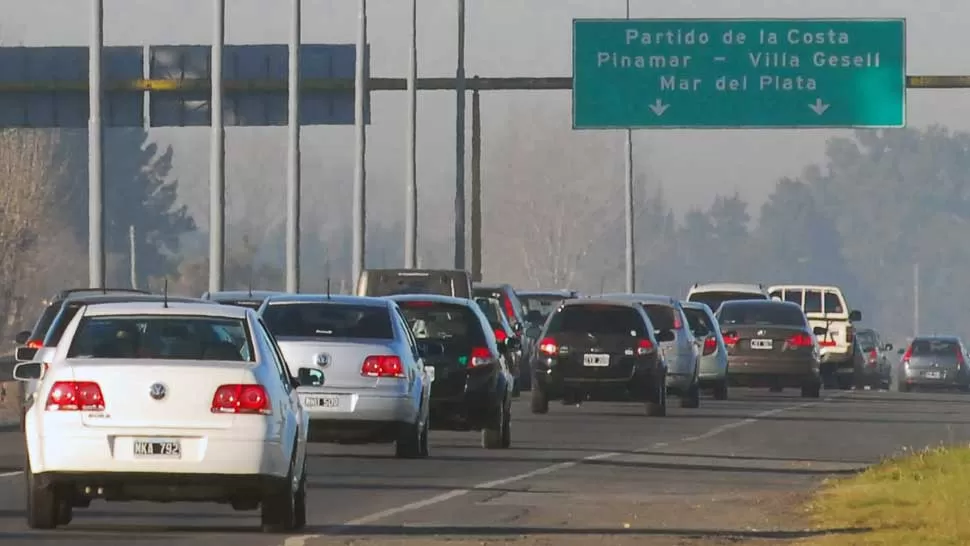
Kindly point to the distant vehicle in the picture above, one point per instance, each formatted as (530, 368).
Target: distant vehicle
(162, 403)
(472, 388)
(826, 307)
(252, 299)
(390, 282)
(714, 360)
(771, 344)
(376, 390)
(681, 353)
(511, 307)
(34, 337)
(503, 331)
(539, 304)
(598, 349)
(876, 370)
(65, 314)
(935, 362)
(714, 294)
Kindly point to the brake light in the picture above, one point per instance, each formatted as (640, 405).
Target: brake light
(677, 323)
(849, 333)
(730, 338)
(35, 344)
(247, 399)
(907, 355)
(710, 345)
(509, 310)
(801, 340)
(645, 347)
(500, 335)
(548, 346)
(481, 356)
(75, 396)
(382, 366)
(960, 362)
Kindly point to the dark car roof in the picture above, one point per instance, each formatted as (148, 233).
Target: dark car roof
(506, 286)
(436, 298)
(553, 293)
(633, 304)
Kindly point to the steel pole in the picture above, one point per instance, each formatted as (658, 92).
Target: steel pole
(460, 142)
(217, 154)
(360, 133)
(96, 258)
(411, 213)
(630, 227)
(293, 154)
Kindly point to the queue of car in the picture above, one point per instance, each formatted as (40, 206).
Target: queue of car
(137, 396)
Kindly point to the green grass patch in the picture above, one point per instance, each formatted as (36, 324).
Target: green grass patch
(920, 498)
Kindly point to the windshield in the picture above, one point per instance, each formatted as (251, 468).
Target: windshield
(162, 337)
(867, 340)
(329, 320)
(545, 305)
(492, 309)
(597, 320)
(698, 320)
(715, 299)
(443, 322)
(768, 313)
(935, 347)
(392, 284)
(662, 317)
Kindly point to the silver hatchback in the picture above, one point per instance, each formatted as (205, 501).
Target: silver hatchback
(681, 353)
(714, 360)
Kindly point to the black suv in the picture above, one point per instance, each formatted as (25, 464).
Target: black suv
(34, 337)
(600, 350)
(472, 385)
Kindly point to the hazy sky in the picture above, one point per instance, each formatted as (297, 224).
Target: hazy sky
(504, 38)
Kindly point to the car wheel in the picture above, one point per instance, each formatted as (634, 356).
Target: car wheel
(657, 401)
(540, 401)
(721, 390)
(408, 445)
(299, 502)
(507, 428)
(492, 433)
(692, 398)
(43, 504)
(278, 507)
(811, 391)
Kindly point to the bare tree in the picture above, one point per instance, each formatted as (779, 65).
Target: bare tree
(551, 195)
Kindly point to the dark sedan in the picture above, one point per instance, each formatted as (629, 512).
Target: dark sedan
(770, 344)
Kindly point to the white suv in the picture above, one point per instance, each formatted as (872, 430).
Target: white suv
(825, 307)
(714, 294)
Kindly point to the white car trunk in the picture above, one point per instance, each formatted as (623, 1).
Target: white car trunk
(343, 358)
(189, 387)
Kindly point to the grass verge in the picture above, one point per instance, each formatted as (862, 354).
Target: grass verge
(920, 498)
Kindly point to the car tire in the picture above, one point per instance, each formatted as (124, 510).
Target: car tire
(299, 513)
(492, 432)
(408, 444)
(278, 506)
(811, 391)
(507, 428)
(656, 405)
(43, 504)
(540, 401)
(721, 390)
(692, 398)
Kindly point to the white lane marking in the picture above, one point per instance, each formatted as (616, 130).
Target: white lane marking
(455, 493)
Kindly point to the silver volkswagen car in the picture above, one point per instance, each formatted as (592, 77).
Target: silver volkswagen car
(714, 361)
(681, 353)
(369, 383)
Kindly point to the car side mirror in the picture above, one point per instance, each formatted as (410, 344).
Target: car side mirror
(889, 347)
(428, 349)
(28, 371)
(311, 377)
(855, 315)
(900, 351)
(820, 330)
(663, 336)
(22, 337)
(517, 327)
(24, 354)
(513, 344)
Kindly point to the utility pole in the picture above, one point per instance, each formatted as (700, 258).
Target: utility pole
(476, 227)
(460, 142)
(96, 258)
(629, 205)
(217, 154)
(133, 255)
(915, 299)
(411, 211)
(293, 153)
(360, 146)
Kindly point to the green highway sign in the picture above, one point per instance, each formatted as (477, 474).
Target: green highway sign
(738, 73)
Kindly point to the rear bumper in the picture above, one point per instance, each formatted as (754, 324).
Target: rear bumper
(556, 382)
(748, 371)
(948, 379)
(837, 357)
(370, 418)
(162, 487)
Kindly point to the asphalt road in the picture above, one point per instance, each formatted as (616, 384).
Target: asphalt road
(6, 367)
(757, 442)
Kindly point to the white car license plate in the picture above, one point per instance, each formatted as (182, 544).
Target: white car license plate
(600, 361)
(762, 344)
(933, 375)
(158, 448)
(322, 401)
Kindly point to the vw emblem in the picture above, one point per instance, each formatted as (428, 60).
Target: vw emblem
(760, 333)
(323, 360)
(157, 391)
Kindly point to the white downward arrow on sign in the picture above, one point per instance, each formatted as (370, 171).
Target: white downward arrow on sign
(659, 107)
(819, 107)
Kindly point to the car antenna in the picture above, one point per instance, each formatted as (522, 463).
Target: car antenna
(165, 294)
(328, 288)
(250, 282)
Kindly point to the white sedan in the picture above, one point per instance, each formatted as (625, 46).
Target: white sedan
(165, 402)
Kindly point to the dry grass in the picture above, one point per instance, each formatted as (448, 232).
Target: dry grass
(918, 498)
